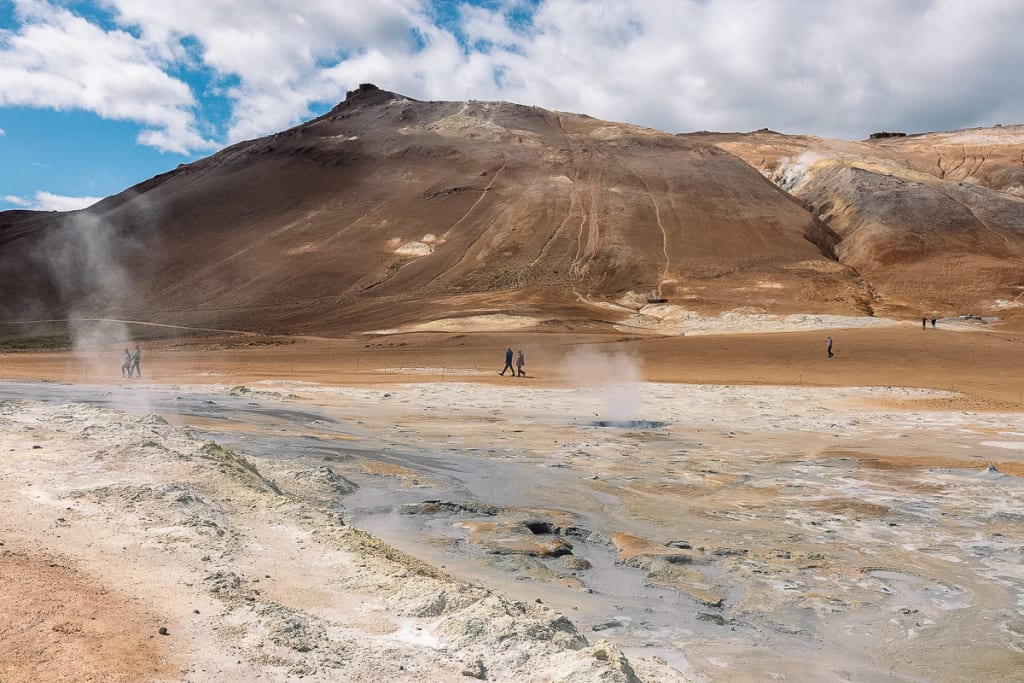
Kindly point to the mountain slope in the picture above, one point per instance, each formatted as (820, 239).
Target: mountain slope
(935, 222)
(389, 212)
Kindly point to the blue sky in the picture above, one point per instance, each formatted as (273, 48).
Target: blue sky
(97, 95)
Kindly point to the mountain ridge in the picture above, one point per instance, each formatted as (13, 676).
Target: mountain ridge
(388, 212)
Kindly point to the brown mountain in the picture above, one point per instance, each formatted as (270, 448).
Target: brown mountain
(934, 221)
(389, 212)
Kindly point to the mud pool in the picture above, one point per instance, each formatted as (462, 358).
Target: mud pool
(740, 533)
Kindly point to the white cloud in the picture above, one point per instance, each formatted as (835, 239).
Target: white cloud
(829, 67)
(61, 61)
(2, 132)
(835, 67)
(276, 51)
(46, 201)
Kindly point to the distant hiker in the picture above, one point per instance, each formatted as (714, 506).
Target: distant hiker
(924, 323)
(520, 362)
(136, 359)
(508, 362)
(126, 363)
(933, 323)
(829, 347)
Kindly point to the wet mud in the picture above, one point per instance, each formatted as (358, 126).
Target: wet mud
(747, 533)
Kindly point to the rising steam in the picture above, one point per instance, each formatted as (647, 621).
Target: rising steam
(793, 172)
(90, 258)
(615, 375)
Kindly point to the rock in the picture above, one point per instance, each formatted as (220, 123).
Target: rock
(437, 605)
(435, 507)
(611, 623)
(476, 670)
(163, 631)
(612, 657)
(576, 563)
(682, 545)
(713, 618)
(327, 479)
(223, 583)
(291, 629)
(364, 89)
(514, 538)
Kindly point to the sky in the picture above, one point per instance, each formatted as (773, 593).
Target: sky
(98, 95)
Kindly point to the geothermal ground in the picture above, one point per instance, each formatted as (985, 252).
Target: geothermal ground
(722, 508)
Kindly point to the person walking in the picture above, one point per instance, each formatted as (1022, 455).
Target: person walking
(136, 360)
(508, 363)
(520, 362)
(924, 323)
(829, 347)
(126, 363)
(933, 323)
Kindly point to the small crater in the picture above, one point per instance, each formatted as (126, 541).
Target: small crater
(630, 424)
(540, 528)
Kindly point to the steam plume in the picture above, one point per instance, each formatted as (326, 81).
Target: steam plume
(616, 375)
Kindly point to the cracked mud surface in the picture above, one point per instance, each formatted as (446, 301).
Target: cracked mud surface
(736, 533)
(132, 551)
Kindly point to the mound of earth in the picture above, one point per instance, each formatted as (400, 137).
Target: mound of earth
(389, 212)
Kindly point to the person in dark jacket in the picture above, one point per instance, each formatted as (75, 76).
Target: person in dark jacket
(508, 363)
(520, 362)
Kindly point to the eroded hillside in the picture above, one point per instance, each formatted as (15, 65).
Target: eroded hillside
(935, 222)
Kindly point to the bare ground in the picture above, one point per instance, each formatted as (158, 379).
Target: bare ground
(120, 525)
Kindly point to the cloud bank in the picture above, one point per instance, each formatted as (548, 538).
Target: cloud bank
(198, 73)
(47, 201)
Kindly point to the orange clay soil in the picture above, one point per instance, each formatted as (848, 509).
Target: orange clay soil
(72, 627)
(986, 368)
